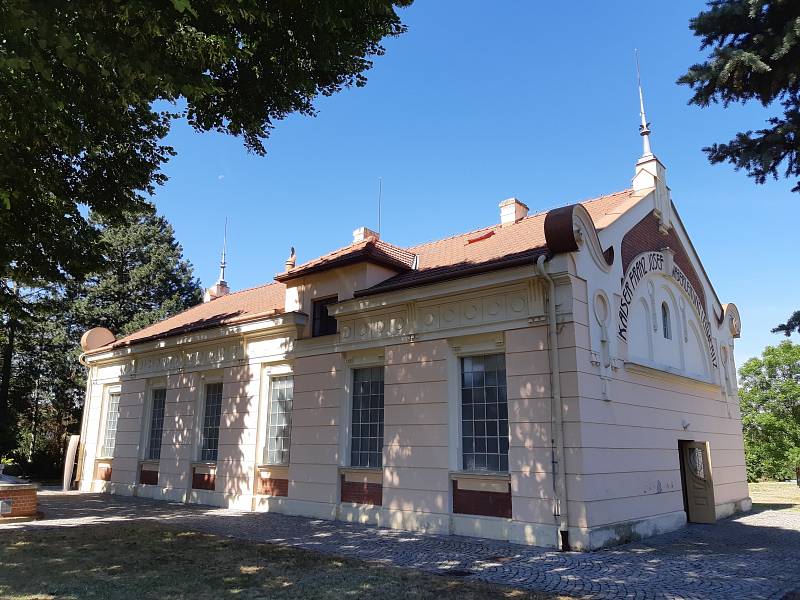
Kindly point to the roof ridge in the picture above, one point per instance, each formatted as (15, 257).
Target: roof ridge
(536, 214)
(250, 289)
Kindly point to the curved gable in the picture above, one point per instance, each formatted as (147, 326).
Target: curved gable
(645, 236)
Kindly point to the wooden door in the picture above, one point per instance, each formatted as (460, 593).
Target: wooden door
(698, 483)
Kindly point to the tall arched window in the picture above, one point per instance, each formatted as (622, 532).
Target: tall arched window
(665, 322)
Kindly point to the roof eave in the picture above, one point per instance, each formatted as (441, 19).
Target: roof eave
(191, 328)
(351, 259)
(477, 269)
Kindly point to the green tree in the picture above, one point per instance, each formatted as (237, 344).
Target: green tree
(770, 402)
(754, 56)
(144, 278)
(89, 89)
(792, 324)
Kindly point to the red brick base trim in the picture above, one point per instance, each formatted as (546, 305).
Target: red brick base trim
(477, 502)
(273, 487)
(148, 477)
(362, 493)
(23, 502)
(203, 481)
(104, 473)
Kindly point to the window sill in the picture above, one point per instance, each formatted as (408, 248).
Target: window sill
(668, 374)
(273, 471)
(361, 469)
(362, 474)
(204, 466)
(485, 475)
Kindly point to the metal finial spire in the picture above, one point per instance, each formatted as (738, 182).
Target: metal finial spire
(644, 128)
(380, 196)
(222, 263)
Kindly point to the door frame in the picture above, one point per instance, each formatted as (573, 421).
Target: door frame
(685, 483)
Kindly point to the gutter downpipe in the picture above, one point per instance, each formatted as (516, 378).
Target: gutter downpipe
(560, 508)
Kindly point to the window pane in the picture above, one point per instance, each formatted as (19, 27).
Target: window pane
(366, 440)
(323, 323)
(211, 417)
(484, 413)
(156, 424)
(279, 428)
(112, 417)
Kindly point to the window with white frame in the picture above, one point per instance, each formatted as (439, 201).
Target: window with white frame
(279, 425)
(111, 420)
(212, 411)
(366, 438)
(484, 413)
(158, 399)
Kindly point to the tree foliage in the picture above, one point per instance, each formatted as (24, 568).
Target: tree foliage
(792, 325)
(754, 56)
(81, 82)
(143, 279)
(770, 403)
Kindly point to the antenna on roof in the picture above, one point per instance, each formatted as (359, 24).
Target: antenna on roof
(644, 127)
(222, 263)
(380, 194)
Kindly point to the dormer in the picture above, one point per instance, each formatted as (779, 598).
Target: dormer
(312, 286)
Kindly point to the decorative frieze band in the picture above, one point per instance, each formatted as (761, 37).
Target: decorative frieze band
(507, 304)
(177, 360)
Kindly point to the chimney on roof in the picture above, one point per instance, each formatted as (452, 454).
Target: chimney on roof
(362, 233)
(511, 211)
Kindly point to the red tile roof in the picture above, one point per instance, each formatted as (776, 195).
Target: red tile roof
(489, 248)
(371, 249)
(236, 307)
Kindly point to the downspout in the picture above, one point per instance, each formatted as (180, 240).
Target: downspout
(560, 508)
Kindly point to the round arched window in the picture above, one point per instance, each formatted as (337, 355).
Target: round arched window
(666, 325)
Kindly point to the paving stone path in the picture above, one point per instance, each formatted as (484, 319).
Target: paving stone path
(756, 556)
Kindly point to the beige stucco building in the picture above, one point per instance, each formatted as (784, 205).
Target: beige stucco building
(562, 379)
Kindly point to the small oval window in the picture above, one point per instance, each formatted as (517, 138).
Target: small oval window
(665, 321)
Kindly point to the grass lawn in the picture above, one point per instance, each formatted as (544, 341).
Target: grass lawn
(146, 560)
(772, 495)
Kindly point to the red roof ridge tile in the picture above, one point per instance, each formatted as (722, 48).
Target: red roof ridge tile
(530, 216)
(243, 290)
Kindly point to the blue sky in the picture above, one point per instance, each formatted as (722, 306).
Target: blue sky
(477, 104)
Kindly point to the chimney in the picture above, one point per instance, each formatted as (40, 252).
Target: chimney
(217, 290)
(511, 211)
(362, 233)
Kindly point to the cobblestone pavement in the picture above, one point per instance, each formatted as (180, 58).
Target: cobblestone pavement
(750, 557)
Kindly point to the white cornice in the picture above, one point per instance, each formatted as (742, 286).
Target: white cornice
(659, 372)
(291, 323)
(461, 285)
